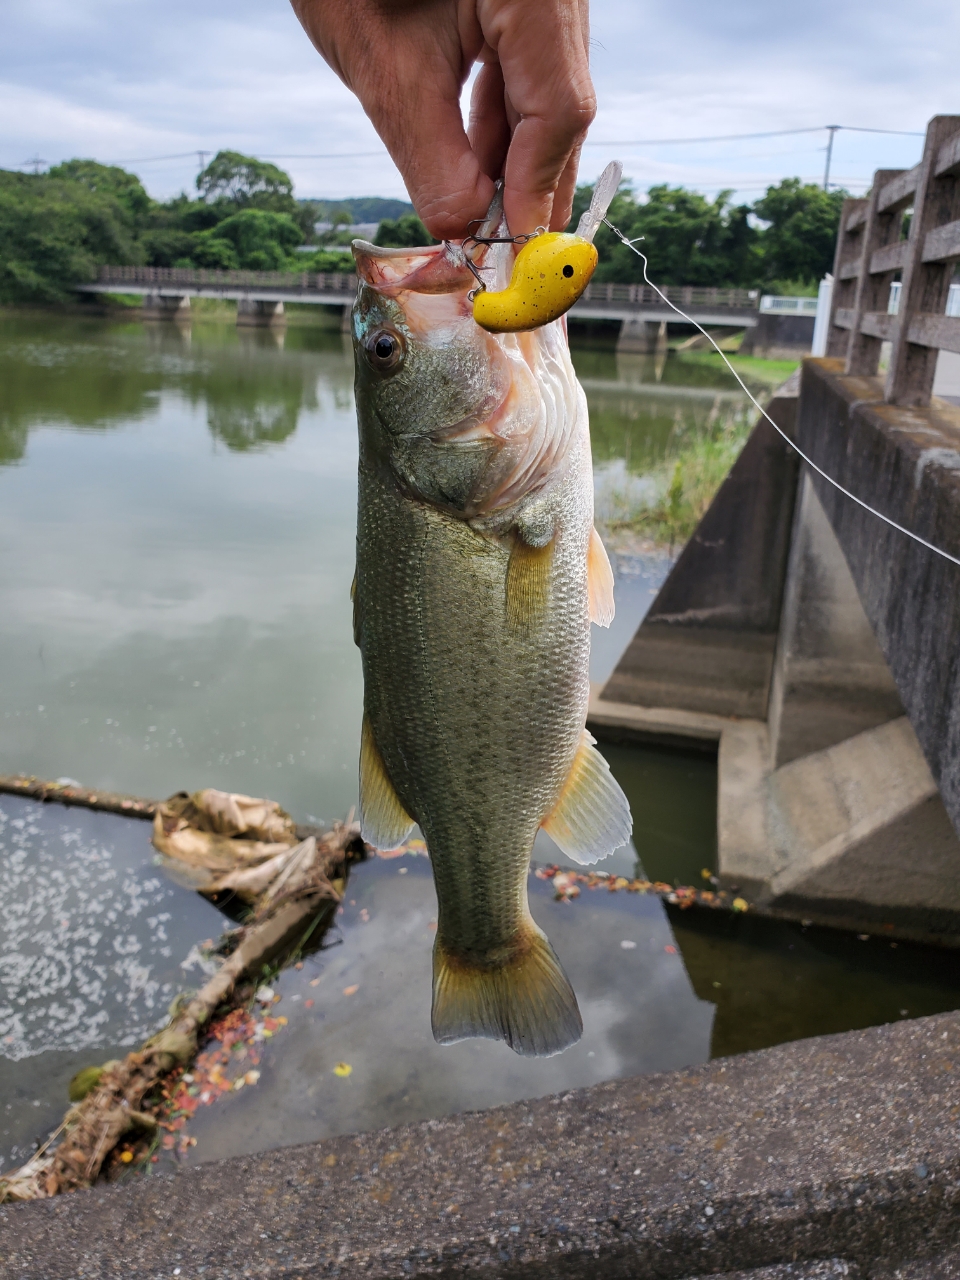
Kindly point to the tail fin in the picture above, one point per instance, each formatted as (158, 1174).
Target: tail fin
(526, 1001)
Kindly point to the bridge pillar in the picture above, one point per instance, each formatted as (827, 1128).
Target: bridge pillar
(256, 311)
(162, 306)
(645, 337)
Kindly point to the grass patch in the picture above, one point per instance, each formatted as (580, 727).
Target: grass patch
(753, 369)
(686, 484)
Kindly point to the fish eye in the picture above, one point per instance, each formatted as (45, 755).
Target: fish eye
(568, 271)
(384, 350)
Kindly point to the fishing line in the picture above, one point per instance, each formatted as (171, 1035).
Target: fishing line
(796, 448)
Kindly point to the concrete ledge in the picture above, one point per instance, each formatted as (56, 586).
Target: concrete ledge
(667, 726)
(842, 1151)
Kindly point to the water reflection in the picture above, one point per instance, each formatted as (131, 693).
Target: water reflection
(365, 1000)
(86, 374)
(773, 980)
(94, 936)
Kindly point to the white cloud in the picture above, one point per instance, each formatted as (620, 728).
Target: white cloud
(120, 81)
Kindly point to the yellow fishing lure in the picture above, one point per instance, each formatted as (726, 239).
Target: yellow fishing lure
(550, 272)
(549, 275)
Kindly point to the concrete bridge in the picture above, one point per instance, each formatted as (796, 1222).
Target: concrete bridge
(813, 646)
(260, 297)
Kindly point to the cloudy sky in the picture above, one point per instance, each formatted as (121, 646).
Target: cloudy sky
(149, 84)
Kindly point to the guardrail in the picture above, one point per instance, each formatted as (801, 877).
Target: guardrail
(783, 305)
(871, 251)
(689, 294)
(192, 277)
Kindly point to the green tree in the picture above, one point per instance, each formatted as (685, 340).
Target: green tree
(687, 238)
(54, 233)
(110, 180)
(243, 180)
(799, 241)
(406, 232)
(253, 239)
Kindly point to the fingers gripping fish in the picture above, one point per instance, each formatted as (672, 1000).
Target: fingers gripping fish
(478, 574)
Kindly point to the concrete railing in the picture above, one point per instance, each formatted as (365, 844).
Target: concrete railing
(691, 295)
(953, 299)
(192, 277)
(189, 278)
(871, 252)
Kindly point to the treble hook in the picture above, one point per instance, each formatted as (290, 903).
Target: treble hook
(474, 241)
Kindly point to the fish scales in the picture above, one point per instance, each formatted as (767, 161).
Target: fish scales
(460, 707)
(476, 568)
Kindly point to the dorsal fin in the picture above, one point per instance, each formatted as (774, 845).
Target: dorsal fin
(599, 582)
(592, 817)
(384, 822)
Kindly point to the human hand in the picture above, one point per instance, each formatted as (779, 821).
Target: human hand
(532, 102)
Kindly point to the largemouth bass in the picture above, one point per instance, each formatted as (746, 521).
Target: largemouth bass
(478, 574)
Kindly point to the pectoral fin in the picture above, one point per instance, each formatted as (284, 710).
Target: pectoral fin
(592, 816)
(384, 822)
(528, 585)
(599, 582)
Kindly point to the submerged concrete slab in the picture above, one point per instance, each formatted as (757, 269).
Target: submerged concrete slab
(854, 835)
(842, 1151)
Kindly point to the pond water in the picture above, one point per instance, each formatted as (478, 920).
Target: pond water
(177, 515)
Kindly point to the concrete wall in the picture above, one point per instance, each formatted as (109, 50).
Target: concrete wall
(837, 1156)
(830, 679)
(906, 463)
(777, 336)
(821, 653)
(708, 641)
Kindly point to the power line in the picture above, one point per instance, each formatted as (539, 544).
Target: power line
(187, 155)
(723, 137)
(180, 155)
(334, 155)
(741, 137)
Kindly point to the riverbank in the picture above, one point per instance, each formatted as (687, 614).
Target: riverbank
(680, 488)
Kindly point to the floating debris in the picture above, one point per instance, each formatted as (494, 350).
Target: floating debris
(228, 1062)
(292, 903)
(567, 885)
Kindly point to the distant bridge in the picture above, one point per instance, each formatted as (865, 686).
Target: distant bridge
(260, 298)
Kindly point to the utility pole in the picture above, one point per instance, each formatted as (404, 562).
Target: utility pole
(202, 159)
(36, 162)
(832, 130)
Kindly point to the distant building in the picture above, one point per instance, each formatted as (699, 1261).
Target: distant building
(362, 230)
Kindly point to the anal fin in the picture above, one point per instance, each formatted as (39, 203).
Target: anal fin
(592, 817)
(526, 1000)
(384, 822)
(599, 582)
(528, 584)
